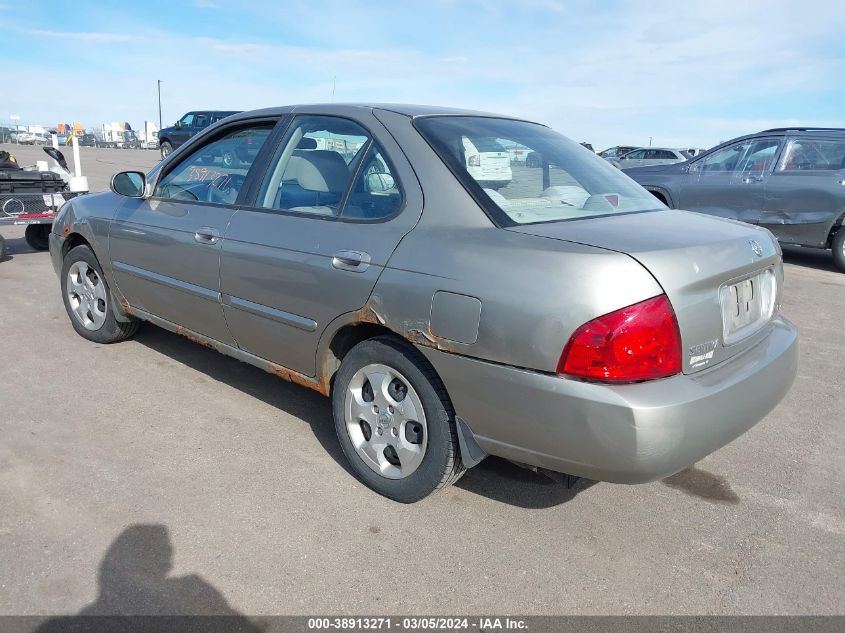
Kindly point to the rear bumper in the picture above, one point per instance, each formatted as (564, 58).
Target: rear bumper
(624, 433)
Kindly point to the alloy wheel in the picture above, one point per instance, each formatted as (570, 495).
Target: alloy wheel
(386, 421)
(86, 295)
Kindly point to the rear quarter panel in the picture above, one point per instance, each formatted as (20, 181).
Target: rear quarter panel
(534, 291)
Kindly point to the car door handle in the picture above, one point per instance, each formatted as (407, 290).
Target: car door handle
(353, 261)
(207, 235)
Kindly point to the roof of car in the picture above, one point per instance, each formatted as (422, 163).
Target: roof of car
(406, 109)
(802, 129)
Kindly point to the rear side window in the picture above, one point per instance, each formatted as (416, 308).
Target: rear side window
(314, 166)
(216, 171)
(375, 192)
(813, 154)
(329, 166)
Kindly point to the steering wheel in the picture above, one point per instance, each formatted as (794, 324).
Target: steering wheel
(224, 189)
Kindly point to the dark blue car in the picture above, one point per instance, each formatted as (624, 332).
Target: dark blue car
(170, 138)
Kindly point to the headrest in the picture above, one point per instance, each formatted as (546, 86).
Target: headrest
(318, 170)
(307, 143)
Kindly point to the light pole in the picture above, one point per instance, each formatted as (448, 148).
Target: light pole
(15, 118)
(159, 104)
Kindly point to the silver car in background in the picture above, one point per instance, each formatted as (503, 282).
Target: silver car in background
(646, 156)
(563, 318)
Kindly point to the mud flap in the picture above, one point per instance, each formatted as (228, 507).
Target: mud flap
(471, 453)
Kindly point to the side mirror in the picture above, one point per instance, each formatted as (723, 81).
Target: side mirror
(177, 125)
(129, 183)
(380, 183)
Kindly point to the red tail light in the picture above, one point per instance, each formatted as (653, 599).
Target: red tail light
(640, 342)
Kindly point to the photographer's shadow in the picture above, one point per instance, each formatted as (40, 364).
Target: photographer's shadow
(134, 581)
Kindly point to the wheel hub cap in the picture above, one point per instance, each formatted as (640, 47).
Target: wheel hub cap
(86, 296)
(385, 421)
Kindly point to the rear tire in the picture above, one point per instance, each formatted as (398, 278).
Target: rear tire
(2, 248)
(87, 299)
(38, 236)
(407, 408)
(838, 246)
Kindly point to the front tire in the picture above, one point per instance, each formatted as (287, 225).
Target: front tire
(166, 149)
(38, 236)
(838, 246)
(87, 299)
(394, 420)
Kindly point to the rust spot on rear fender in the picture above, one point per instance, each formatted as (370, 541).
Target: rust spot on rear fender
(425, 338)
(367, 314)
(66, 230)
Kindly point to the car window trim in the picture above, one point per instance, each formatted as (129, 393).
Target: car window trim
(250, 203)
(212, 137)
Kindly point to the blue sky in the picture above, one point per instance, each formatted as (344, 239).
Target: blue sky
(608, 72)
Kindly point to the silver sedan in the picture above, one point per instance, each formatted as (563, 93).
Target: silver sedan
(566, 320)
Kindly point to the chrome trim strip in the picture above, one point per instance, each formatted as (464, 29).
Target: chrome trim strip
(294, 320)
(164, 280)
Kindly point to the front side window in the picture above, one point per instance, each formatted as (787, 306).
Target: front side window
(572, 183)
(216, 171)
(760, 156)
(635, 155)
(187, 120)
(314, 166)
(813, 154)
(723, 160)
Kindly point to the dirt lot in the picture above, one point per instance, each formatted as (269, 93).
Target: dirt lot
(161, 465)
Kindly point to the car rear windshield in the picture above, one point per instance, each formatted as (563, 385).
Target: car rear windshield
(555, 179)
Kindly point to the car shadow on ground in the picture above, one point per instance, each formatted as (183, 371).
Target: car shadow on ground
(494, 478)
(18, 246)
(504, 481)
(134, 580)
(295, 400)
(809, 258)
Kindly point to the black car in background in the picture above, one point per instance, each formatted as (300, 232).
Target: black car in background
(788, 180)
(170, 138)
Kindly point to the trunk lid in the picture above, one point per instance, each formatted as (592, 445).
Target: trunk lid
(703, 264)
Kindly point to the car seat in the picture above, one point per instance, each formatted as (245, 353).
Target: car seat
(313, 178)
